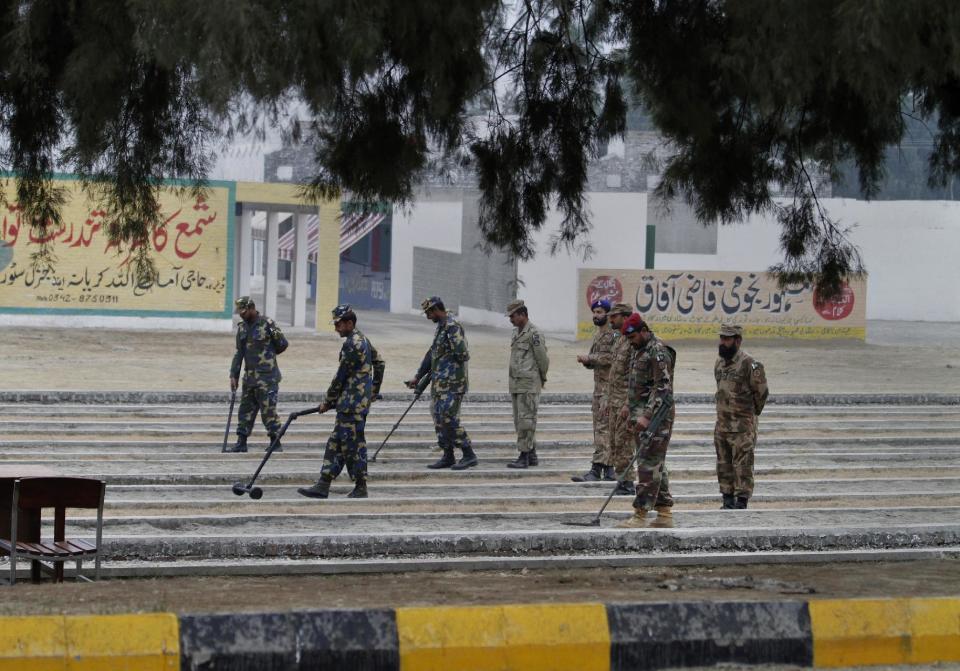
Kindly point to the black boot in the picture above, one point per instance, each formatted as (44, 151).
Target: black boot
(522, 461)
(469, 459)
(625, 488)
(446, 461)
(741, 503)
(532, 458)
(240, 446)
(593, 475)
(728, 502)
(321, 490)
(359, 489)
(278, 447)
(609, 474)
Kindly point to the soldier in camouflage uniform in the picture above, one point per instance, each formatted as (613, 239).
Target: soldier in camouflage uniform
(446, 364)
(350, 393)
(650, 386)
(259, 341)
(599, 360)
(528, 374)
(614, 405)
(741, 394)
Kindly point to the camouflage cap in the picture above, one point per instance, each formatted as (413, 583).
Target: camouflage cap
(243, 303)
(730, 331)
(340, 312)
(430, 302)
(621, 309)
(514, 306)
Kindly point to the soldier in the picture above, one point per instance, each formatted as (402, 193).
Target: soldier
(614, 404)
(599, 360)
(528, 374)
(741, 394)
(350, 392)
(650, 386)
(446, 364)
(259, 341)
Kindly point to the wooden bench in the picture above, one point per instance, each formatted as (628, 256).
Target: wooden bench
(35, 494)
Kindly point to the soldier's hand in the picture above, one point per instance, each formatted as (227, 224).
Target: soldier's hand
(624, 412)
(411, 383)
(642, 424)
(582, 358)
(233, 384)
(324, 407)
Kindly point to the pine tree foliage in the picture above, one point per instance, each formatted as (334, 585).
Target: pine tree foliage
(750, 94)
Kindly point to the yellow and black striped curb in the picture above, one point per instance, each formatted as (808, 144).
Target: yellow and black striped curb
(580, 637)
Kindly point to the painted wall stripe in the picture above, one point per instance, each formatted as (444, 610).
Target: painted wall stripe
(672, 635)
(529, 637)
(148, 642)
(885, 631)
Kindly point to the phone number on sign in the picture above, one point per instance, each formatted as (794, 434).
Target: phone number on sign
(100, 299)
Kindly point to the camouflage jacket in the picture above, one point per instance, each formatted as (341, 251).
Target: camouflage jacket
(650, 379)
(528, 360)
(741, 392)
(353, 384)
(379, 365)
(616, 394)
(446, 360)
(258, 345)
(601, 356)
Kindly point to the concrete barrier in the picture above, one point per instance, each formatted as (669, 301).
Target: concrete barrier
(580, 637)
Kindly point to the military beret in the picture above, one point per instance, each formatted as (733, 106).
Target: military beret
(340, 312)
(243, 303)
(633, 323)
(601, 303)
(514, 306)
(621, 309)
(730, 331)
(430, 302)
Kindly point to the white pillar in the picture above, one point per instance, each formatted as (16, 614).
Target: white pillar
(244, 265)
(299, 278)
(270, 274)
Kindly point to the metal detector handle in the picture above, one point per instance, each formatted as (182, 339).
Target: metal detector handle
(416, 397)
(226, 432)
(658, 418)
(301, 413)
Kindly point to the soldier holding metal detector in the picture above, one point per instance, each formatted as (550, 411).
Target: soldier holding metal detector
(259, 341)
(650, 388)
(350, 393)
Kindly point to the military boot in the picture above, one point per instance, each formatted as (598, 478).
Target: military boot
(469, 459)
(321, 490)
(609, 473)
(637, 521)
(593, 475)
(446, 461)
(359, 489)
(278, 447)
(741, 503)
(728, 502)
(625, 488)
(532, 458)
(664, 519)
(523, 461)
(240, 446)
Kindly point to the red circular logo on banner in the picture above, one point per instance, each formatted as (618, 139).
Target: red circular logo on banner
(839, 308)
(604, 286)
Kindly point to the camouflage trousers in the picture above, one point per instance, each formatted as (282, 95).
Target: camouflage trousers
(525, 406)
(445, 410)
(735, 461)
(601, 433)
(653, 479)
(622, 443)
(346, 446)
(258, 395)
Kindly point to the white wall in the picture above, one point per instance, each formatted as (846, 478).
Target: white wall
(132, 323)
(547, 284)
(431, 224)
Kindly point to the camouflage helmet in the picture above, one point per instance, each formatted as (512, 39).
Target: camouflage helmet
(428, 303)
(243, 303)
(342, 311)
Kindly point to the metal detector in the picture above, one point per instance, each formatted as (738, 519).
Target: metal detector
(255, 492)
(226, 432)
(644, 440)
(416, 397)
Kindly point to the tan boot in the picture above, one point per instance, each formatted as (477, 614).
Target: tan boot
(664, 519)
(638, 521)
